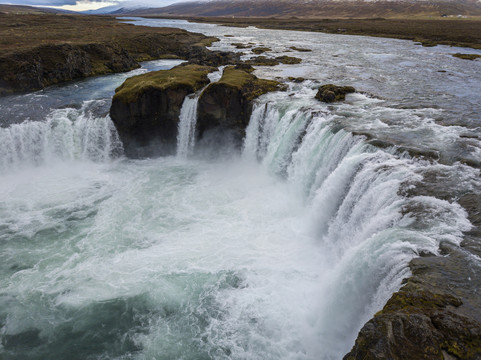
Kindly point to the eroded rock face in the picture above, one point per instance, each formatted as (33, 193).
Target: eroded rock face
(146, 108)
(45, 65)
(227, 104)
(330, 93)
(431, 317)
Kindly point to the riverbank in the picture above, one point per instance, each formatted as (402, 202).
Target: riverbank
(452, 32)
(38, 50)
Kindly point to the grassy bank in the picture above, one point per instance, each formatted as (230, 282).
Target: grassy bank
(37, 50)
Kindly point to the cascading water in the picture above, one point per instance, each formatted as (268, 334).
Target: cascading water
(188, 119)
(355, 212)
(282, 252)
(66, 135)
(186, 130)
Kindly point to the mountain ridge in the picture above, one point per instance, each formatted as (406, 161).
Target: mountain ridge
(318, 9)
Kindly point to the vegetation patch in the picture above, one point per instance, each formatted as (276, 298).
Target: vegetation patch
(250, 86)
(262, 61)
(467, 56)
(260, 50)
(288, 60)
(295, 48)
(330, 93)
(188, 76)
(241, 46)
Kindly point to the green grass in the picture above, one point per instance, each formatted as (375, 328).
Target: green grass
(191, 76)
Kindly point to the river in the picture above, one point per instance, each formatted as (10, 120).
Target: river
(282, 250)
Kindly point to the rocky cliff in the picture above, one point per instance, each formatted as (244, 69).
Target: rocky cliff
(146, 108)
(227, 104)
(40, 50)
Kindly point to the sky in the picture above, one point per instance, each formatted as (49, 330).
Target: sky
(82, 5)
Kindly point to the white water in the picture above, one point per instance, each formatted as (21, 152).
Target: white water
(66, 135)
(187, 122)
(280, 252)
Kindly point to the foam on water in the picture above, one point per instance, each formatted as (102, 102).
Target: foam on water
(281, 252)
(66, 135)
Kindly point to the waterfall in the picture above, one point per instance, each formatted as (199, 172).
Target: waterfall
(186, 130)
(67, 134)
(188, 118)
(355, 212)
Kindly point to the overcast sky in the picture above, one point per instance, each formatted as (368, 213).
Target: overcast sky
(80, 5)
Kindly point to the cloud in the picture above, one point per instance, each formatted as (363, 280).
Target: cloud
(86, 3)
(51, 2)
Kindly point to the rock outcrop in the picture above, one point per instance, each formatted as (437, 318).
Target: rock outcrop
(435, 315)
(51, 49)
(431, 317)
(145, 108)
(227, 104)
(330, 93)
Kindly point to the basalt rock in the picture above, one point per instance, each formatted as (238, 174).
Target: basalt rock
(33, 67)
(227, 104)
(202, 56)
(145, 109)
(330, 93)
(435, 315)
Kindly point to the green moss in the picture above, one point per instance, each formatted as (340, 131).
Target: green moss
(248, 84)
(191, 76)
(288, 60)
(241, 46)
(207, 41)
(462, 348)
(260, 50)
(295, 48)
(331, 93)
(467, 56)
(262, 61)
(412, 299)
(296, 79)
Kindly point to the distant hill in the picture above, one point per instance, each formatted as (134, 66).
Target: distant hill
(318, 8)
(21, 9)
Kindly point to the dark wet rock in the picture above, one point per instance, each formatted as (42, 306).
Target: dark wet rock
(330, 93)
(245, 67)
(241, 45)
(227, 104)
(260, 50)
(467, 56)
(290, 60)
(202, 56)
(145, 109)
(295, 48)
(437, 313)
(296, 79)
(434, 316)
(262, 61)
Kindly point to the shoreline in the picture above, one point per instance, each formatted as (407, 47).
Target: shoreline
(42, 49)
(457, 33)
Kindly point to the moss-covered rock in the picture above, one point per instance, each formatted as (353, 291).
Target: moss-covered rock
(290, 60)
(260, 50)
(435, 316)
(295, 48)
(145, 108)
(227, 104)
(467, 56)
(241, 45)
(330, 93)
(262, 61)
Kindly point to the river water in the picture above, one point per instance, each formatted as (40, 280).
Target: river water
(282, 250)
